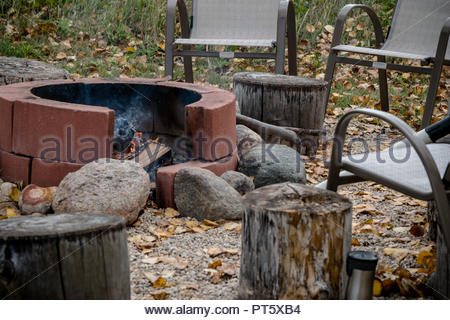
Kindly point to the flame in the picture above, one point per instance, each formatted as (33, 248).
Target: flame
(156, 140)
(135, 142)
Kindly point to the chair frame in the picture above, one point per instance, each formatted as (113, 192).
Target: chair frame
(435, 71)
(437, 186)
(285, 24)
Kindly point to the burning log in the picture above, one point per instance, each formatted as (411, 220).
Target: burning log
(153, 156)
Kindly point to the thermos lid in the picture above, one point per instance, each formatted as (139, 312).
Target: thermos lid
(361, 260)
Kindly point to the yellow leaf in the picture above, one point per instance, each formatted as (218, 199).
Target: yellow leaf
(215, 264)
(377, 288)
(355, 242)
(329, 28)
(130, 49)
(171, 213)
(210, 223)
(160, 296)
(15, 194)
(159, 283)
(11, 213)
(61, 56)
(310, 28)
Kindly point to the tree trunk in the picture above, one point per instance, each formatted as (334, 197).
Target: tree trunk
(14, 70)
(295, 240)
(64, 256)
(285, 101)
(440, 280)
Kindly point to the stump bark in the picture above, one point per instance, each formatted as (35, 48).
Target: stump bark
(440, 280)
(295, 240)
(64, 256)
(285, 101)
(14, 70)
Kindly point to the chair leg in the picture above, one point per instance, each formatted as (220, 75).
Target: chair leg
(431, 96)
(279, 60)
(384, 92)
(329, 73)
(292, 40)
(168, 69)
(188, 72)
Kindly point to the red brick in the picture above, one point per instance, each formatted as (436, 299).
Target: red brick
(37, 120)
(165, 177)
(14, 168)
(214, 119)
(49, 174)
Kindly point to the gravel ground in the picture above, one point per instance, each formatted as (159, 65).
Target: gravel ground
(178, 258)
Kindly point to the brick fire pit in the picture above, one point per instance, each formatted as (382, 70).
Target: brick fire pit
(51, 128)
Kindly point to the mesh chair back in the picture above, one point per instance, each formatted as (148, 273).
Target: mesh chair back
(416, 26)
(235, 19)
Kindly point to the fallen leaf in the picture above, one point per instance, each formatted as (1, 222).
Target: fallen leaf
(355, 242)
(160, 283)
(214, 252)
(61, 56)
(377, 288)
(151, 276)
(397, 253)
(171, 213)
(210, 223)
(15, 194)
(228, 269)
(160, 296)
(232, 226)
(310, 28)
(329, 28)
(417, 230)
(215, 264)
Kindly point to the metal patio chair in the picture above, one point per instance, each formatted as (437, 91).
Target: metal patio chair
(419, 175)
(419, 30)
(243, 23)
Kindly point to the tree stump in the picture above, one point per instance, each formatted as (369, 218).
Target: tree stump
(64, 256)
(14, 70)
(295, 240)
(440, 280)
(286, 101)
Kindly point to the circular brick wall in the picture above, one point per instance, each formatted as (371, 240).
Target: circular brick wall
(51, 128)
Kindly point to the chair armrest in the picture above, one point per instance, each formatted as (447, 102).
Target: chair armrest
(441, 50)
(424, 154)
(170, 20)
(342, 17)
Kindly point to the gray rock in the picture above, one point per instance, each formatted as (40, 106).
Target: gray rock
(106, 186)
(270, 164)
(246, 138)
(239, 181)
(35, 199)
(202, 195)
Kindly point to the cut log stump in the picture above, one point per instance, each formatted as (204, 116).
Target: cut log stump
(286, 101)
(14, 70)
(64, 256)
(295, 240)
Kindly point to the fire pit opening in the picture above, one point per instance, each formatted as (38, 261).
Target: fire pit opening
(149, 119)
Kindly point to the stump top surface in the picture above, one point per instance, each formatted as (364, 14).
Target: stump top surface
(26, 69)
(296, 198)
(57, 225)
(279, 80)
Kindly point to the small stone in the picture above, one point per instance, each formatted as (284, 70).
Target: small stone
(105, 186)
(36, 199)
(202, 195)
(238, 181)
(246, 138)
(272, 163)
